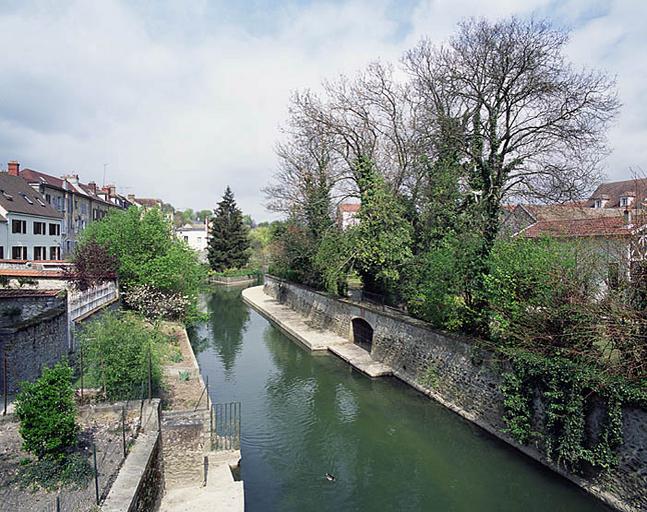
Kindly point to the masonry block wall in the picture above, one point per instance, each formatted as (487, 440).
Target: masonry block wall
(464, 377)
(32, 344)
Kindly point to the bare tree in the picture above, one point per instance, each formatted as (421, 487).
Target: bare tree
(529, 123)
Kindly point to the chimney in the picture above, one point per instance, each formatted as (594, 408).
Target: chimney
(93, 187)
(13, 167)
(113, 190)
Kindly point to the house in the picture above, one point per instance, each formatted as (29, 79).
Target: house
(347, 215)
(196, 236)
(612, 222)
(30, 228)
(78, 203)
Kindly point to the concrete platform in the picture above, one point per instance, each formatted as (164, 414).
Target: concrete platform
(314, 339)
(291, 321)
(361, 359)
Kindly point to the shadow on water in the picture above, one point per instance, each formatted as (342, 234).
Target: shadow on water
(389, 447)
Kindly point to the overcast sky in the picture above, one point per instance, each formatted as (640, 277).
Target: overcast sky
(184, 98)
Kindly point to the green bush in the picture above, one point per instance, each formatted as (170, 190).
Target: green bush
(116, 349)
(47, 413)
(148, 254)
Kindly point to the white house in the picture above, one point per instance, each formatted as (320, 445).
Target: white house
(195, 235)
(347, 215)
(30, 228)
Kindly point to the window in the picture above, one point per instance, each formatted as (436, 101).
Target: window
(19, 226)
(40, 228)
(54, 229)
(55, 253)
(186, 238)
(48, 198)
(1, 252)
(19, 253)
(27, 198)
(598, 203)
(40, 202)
(40, 253)
(6, 195)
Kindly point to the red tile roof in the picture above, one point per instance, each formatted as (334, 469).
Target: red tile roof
(601, 226)
(19, 272)
(14, 293)
(38, 177)
(349, 207)
(614, 190)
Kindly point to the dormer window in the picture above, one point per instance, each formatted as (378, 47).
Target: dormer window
(597, 203)
(626, 199)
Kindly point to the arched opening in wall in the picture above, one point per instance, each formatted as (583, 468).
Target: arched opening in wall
(362, 333)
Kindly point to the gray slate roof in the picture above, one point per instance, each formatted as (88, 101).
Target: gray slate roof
(17, 196)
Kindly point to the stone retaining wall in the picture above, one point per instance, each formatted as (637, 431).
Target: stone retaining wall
(32, 344)
(465, 378)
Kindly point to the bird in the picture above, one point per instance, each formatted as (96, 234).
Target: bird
(330, 478)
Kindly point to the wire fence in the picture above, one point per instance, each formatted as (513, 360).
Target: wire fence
(108, 432)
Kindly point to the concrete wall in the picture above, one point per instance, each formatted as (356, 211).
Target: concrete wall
(32, 344)
(465, 378)
(139, 484)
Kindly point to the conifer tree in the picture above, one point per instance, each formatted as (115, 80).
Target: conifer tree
(228, 240)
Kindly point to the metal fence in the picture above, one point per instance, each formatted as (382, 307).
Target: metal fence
(107, 434)
(225, 426)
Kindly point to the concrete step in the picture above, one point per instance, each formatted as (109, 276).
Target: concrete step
(218, 475)
(228, 498)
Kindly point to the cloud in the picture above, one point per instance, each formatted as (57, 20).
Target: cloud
(183, 99)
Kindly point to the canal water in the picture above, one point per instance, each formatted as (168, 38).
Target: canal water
(389, 447)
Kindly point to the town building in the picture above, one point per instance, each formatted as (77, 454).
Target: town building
(30, 228)
(611, 222)
(196, 236)
(347, 215)
(78, 203)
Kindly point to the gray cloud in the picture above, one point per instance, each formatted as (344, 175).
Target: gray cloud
(183, 99)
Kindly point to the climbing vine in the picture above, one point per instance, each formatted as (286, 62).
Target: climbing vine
(558, 394)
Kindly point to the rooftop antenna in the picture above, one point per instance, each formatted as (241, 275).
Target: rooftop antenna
(104, 174)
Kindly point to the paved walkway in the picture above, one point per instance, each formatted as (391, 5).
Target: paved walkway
(314, 339)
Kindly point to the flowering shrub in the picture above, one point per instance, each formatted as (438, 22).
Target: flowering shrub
(154, 303)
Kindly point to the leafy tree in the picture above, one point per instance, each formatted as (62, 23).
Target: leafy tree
(116, 348)
(228, 240)
(47, 413)
(93, 265)
(148, 254)
(383, 237)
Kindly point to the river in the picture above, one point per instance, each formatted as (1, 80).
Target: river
(389, 447)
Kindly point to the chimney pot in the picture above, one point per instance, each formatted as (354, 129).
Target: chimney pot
(93, 187)
(13, 167)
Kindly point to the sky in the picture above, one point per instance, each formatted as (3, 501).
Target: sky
(181, 99)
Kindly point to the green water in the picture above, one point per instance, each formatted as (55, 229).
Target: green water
(389, 447)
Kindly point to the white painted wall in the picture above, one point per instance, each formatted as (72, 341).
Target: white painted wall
(29, 239)
(196, 238)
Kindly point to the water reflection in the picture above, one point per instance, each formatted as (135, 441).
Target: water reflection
(389, 447)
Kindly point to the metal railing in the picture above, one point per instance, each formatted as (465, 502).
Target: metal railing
(225, 426)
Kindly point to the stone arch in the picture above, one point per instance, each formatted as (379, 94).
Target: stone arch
(362, 333)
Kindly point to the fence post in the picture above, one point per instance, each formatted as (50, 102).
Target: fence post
(81, 356)
(207, 387)
(150, 374)
(123, 429)
(96, 471)
(5, 391)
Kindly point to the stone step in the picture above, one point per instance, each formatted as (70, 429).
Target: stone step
(218, 475)
(228, 498)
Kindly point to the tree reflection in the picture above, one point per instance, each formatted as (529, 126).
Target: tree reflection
(228, 317)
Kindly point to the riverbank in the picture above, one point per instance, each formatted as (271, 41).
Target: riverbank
(196, 478)
(448, 369)
(317, 340)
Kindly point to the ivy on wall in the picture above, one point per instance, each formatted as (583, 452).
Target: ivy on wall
(567, 391)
